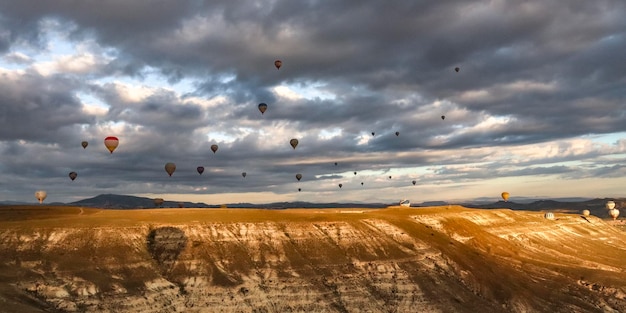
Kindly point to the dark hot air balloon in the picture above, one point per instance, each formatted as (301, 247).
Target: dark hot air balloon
(340, 185)
(457, 69)
(214, 148)
(414, 182)
(244, 174)
(293, 142)
(73, 175)
(298, 176)
(262, 107)
(170, 168)
(84, 144)
(397, 133)
(278, 64)
(443, 117)
(200, 169)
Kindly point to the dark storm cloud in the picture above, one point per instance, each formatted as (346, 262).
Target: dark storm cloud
(37, 108)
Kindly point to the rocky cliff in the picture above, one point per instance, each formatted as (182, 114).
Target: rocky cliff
(439, 259)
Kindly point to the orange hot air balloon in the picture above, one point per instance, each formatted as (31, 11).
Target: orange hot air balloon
(505, 196)
(214, 148)
(262, 107)
(73, 175)
(298, 176)
(111, 143)
(293, 142)
(278, 64)
(84, 144)
(170, 168)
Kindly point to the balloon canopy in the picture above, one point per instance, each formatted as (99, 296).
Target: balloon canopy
(111, 143)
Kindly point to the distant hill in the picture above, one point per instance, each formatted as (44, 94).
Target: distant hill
(570, 205)
(112, 201)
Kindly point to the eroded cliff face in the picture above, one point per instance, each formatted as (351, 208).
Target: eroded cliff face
(444, 259)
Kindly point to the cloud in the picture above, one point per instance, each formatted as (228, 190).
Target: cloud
(538, 95)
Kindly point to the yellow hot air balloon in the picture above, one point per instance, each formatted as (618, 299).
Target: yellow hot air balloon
(293, 142)
(505, 196)
(111, 143)
(41, 195)
(170, 168)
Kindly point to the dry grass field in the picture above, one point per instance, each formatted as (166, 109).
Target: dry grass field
(435, 259)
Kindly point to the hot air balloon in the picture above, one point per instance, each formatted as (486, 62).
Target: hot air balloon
(335, 163)
(200, 169)
(505, 196)
(549, 216)
(586, 213)
(158, 201)
(181, 205)
(614, 213)
(278, 64)
(389, 177)
(84, 144)
(170, 168)
(244, 174)
(299, 189)
(262, 107)
(340, 185)
(610, 205)
(298, 176)
(457, 69)
(293, 142)
(373, 133)
(111, 143)
(361, 183)
(41, 195)
(414, 182)
(443, 117)
(397, 133)
(354, 173)
(73, 175)
(214, 148)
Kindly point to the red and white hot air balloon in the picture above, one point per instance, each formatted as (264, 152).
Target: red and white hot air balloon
(111, 143)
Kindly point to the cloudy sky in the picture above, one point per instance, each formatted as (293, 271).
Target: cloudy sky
(537, 108)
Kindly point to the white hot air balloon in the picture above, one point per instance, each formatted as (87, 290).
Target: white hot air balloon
(614, 213)
(586, 213)
(610, 205)
(549, 216)
(41, 195)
